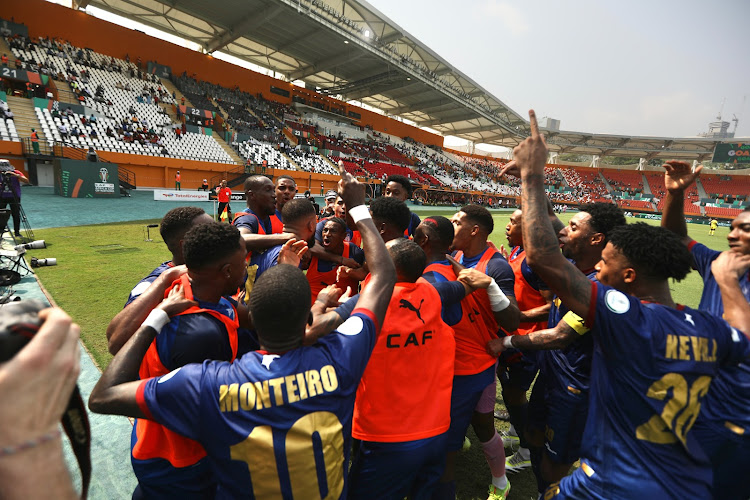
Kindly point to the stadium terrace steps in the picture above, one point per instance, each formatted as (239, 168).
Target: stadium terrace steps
(328, 160)
(65, 94)
(5, 49)
(24, 116)
(229, 150)
(701, 188)
(169, 110)
(646, 186)
(171, 88)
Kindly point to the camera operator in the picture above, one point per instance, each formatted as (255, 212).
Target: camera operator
(10, 192)
(35, 386)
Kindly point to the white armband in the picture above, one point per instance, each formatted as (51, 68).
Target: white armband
(360, 212)
(498, 300)
(508, 342)
(156, 319)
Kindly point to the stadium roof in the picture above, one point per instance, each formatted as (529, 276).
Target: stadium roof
(349, 48)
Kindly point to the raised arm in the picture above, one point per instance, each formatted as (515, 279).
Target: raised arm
(728, 268)
(512, 168)
(377, 294)
(540, 240)
(678, 176)
(19, 175)
(126, 322)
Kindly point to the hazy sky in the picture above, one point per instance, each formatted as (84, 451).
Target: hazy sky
(634, 68)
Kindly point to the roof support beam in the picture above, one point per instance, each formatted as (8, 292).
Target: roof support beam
(326, 64)
(252, 20)
(396, 35)
(482, 128)
(375, 89)
(421, 106)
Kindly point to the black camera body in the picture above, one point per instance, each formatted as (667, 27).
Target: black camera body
(19, 322)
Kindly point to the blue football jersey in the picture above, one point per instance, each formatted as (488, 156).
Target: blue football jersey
(146, 282)
(251, 221)
(652, 368)
(264, 260)
(569, 367)
(275, 426)
(728, 403)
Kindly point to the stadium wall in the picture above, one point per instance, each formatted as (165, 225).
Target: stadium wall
(52, 20)
(13, 152)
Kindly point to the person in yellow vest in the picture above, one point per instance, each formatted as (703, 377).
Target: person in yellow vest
(177, 178)
(712, 226)
(35, 141)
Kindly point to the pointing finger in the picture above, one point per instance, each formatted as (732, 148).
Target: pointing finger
(533, 124)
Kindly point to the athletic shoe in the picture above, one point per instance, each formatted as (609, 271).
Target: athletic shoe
(466, 445)
(516, 463)
(510, 440)
(497, 494)
(502, 415)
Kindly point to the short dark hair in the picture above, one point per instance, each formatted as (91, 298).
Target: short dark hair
(391, 211)
(280, 304)
(207, 244)
(652, 250)
(286, 176)
(400, 179)
(297, 209)
(409, 259)
(604, 217)
(338, 220)
(480, 216)
(176, 222)
(441, 228)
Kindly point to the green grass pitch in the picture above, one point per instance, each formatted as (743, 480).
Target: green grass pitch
(99, 264)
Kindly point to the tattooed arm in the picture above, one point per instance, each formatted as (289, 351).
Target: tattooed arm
(540, 241)
(559, 337)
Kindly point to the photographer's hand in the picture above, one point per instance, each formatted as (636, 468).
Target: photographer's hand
(35, 387)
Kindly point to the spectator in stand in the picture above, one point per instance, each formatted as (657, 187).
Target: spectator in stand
(35, 141)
